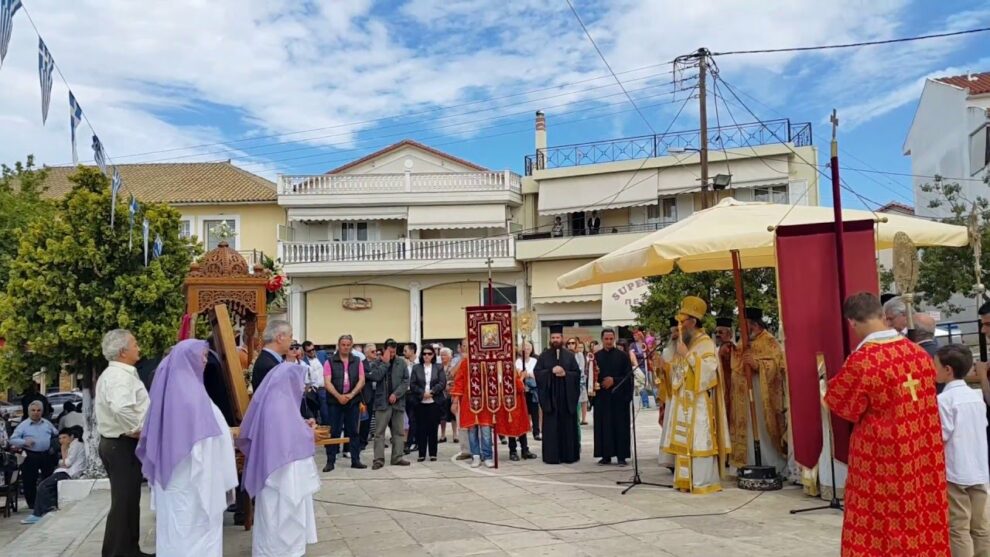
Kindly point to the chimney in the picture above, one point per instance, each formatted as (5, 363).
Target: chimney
(541, 130)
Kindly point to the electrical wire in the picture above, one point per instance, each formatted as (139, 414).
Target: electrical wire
(533, 528)
(853, 45)
(609, 66)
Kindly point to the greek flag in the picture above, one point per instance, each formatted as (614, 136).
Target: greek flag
(115, 186)
(7, 10)
(133, 209)
(99, 155)
(156, 249)
(144, 227)
(45, 66)
(75, 117)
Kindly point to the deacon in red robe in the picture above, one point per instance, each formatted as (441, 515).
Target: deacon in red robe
(896, 504)
(511, 420)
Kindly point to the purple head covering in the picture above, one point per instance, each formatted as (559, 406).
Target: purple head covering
(273, 433)
(180, 413)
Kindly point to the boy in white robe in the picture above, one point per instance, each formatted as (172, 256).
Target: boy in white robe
(279, 469)
(187, 455)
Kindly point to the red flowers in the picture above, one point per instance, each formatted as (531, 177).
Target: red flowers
(275, 283)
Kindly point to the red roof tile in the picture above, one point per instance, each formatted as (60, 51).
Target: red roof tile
(977, 83)
(401, 144)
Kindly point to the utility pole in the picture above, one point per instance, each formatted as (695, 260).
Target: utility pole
(703, 113)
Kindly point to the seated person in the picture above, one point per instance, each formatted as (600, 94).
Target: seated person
(70, 466)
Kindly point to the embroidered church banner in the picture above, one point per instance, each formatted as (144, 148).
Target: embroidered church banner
(811, 318)
(491, 369)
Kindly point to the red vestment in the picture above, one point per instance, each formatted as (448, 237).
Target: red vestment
(896, 503)
(511, 424)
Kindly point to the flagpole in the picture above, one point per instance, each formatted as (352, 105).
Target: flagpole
(840, 244)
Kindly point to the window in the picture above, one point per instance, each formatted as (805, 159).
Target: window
(503, 295)
(979, 150)
(212, 229)
(354, 231)
(771, 194)
(664, 211)
(185, 228)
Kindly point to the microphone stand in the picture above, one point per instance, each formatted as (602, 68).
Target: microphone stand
(636, 479)
(834, 502)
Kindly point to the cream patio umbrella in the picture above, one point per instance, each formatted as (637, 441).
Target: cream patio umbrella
(705, 240)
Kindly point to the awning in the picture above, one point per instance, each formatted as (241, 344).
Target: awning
(618, 299)
(362, 213)
(544, 283)
(609, 191)
(444, 217)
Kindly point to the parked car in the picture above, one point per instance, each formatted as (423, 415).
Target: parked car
(12, 412)
(58, 400)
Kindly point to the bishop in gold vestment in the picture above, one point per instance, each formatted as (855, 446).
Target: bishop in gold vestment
(698, 436)
(766, 363)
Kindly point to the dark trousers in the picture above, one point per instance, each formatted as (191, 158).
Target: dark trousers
(47, 498)
(534, 415)
(427, 425)
(37, 465)
(411, 414)
(364, 430)
(344, 419)
(523, 442)
(122, 534)
(314, 402)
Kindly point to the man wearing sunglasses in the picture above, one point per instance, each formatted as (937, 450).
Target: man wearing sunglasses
(316, 393)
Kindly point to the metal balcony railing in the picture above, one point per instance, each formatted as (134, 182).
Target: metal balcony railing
(647, 146)
(546, 231)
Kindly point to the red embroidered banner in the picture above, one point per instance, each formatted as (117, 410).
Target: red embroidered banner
(492, 379)
(811, 318)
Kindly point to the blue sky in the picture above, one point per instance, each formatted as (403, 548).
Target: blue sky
(317, 84)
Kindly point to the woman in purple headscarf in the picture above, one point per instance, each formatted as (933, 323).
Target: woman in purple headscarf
(187, 455)
(279, 469)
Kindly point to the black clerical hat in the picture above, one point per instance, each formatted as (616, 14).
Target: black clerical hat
(755, 314)
(673, 322)
(884, 298)
(723, 322)
(556, 328)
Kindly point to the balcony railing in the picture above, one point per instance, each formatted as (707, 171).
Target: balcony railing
(648, 146)
(546, 231)
(398, 183)
(395, 250)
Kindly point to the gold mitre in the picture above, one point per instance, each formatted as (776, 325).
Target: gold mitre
(692, 306)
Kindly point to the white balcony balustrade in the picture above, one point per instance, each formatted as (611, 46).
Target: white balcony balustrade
(395, 250)
(324, 184)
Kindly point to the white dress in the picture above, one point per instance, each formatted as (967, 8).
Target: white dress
(284, 521)
(189, 512)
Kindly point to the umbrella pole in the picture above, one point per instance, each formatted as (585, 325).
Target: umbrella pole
(744, 341)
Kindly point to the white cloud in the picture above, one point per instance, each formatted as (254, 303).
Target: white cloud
(279, 66)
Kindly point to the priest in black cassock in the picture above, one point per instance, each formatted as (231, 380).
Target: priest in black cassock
(558, 380)
(612, 401)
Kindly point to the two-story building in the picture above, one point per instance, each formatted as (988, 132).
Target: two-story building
(950, 137)
(396, 244)
(634, 186)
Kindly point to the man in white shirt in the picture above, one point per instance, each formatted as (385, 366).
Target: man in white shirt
(71, 462)
(964, 424)
(120, 408)
(316, 393)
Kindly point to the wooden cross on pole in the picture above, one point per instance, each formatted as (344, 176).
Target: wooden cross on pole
(834, 118)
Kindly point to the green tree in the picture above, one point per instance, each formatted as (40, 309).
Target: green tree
(945, 272)
(21, 203)
(74, 278)
(717, 288)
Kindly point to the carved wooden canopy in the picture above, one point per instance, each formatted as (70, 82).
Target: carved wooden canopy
(222, 276)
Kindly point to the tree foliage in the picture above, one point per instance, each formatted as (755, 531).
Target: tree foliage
(74, 278)
(21, 203)
(945, 272)
(717, 288)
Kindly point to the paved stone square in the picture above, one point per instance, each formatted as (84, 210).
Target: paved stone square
(523, 508)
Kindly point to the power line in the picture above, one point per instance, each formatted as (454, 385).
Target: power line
(853, 45)
(609, 66)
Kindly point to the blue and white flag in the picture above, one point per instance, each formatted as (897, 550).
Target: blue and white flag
(99, 155)
(144, 227)
(133, 209)
(75, 117)
(156, 249)
(45, 66)
(115, 184)
(7, 10)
